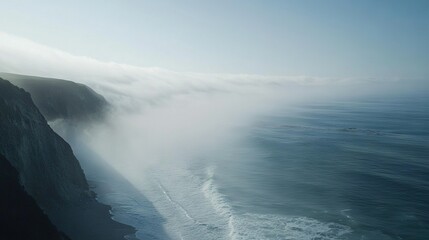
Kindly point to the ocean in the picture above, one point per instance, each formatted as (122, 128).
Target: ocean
(350, 169)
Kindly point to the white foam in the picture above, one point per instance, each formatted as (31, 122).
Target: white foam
(175, 193)
(261, 226)
(194, 208)
(211, 193)
(269, 226)
(178, 205)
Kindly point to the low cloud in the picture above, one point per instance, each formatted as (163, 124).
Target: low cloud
(121, 82)
(164, 116)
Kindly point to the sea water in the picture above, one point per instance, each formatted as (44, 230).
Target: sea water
(349, 169)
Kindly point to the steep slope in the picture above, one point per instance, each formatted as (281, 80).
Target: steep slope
(58, 98)
(49, 171)
(20, 216)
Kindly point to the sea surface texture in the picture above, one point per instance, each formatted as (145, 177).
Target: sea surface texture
(355, 170)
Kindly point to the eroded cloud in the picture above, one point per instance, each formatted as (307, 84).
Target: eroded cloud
(163, 116)
(121, 82)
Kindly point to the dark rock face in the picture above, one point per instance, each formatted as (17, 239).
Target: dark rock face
(49, 171)
(20, 217)
(56, 98)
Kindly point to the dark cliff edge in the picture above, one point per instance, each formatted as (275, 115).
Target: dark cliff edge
(20, 216)
(49, 171)
(60, 99)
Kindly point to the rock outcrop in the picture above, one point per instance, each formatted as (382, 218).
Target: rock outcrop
(48, 169)
(45, 162)
(21, 217)
(60, 99)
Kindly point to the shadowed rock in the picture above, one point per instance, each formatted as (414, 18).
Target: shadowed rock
(49, 171)
(60, 99)
(21, 217)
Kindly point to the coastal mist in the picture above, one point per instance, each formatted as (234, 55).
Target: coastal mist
(233, 156)
(214, 120)
(262, 163)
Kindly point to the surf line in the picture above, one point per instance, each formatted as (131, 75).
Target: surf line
(178, 205)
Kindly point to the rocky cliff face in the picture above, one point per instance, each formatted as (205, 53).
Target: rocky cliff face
(48, 169)
(56, 98)
(45, 162)
(21, 217)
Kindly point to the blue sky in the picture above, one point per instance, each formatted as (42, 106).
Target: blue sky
(333, 38)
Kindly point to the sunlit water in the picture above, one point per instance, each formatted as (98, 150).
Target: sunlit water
(355, 169)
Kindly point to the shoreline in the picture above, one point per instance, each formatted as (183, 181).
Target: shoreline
(127, 205)
(90, 220)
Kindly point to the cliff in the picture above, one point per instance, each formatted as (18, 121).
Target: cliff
(57, 98)
(21, 217)
(48, 169)
(45, 162)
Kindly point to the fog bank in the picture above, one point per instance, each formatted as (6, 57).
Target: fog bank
(162, 116)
